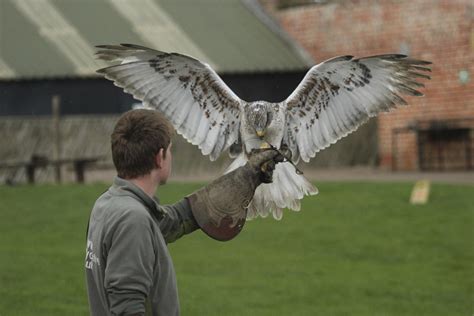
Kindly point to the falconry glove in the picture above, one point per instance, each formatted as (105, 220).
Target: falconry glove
(220, 208)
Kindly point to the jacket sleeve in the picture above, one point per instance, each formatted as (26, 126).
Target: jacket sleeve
(130, 262)
(178, 220)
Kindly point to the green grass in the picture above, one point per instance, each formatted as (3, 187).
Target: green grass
(355, 249)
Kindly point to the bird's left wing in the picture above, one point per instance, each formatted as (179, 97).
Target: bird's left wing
(338, 95)
(188, 92)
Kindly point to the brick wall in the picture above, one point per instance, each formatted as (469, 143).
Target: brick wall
(439, 31)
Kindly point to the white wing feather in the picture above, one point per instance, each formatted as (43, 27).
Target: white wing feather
(338, 95)
(189, 93)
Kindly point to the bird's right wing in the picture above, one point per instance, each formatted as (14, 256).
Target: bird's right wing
(188, 92)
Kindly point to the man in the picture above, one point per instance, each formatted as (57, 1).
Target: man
(128, 267)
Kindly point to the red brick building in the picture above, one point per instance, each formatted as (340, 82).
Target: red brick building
(434, 132)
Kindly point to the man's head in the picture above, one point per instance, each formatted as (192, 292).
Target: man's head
(141, 143)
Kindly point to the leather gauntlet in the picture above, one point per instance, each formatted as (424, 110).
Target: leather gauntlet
(220, 208)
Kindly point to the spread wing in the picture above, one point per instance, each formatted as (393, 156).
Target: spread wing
(188, 92)
(338, 95)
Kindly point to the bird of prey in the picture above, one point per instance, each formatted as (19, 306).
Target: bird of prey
(333, 99)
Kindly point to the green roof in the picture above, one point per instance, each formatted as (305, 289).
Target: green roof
(56, 38)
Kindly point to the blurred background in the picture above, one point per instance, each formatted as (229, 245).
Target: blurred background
(358, 248)
(56, 114)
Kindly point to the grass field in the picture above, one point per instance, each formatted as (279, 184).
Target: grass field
(355, 249)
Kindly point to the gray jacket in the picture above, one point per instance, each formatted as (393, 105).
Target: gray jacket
(128, 267)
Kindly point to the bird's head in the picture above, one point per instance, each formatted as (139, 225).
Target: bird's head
(259, 116)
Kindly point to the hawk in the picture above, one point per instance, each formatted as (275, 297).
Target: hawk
(334, 98)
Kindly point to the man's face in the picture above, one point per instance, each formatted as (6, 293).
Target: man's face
(165, 170)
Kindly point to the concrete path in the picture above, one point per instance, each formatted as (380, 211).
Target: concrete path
(326, 174)
(371, 174)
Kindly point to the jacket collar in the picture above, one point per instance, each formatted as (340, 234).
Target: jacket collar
(124, 187)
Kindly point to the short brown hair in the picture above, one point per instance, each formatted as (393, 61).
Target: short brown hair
(137, 137)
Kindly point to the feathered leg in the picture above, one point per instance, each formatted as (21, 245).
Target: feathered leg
(286, 190)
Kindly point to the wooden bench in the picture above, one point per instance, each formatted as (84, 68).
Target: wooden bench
(36, 162)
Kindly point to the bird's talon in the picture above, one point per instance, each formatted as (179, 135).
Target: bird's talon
(263, 168)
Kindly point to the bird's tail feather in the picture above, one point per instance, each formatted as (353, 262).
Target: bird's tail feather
(286, 190)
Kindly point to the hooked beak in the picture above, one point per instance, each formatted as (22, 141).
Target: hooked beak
(260, 133)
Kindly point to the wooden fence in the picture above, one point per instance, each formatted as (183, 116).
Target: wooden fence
(88, 138)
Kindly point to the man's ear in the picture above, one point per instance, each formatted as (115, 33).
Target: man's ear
(159, 158)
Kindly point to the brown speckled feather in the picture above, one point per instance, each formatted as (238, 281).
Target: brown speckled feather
(189, 93)
(340, 94)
